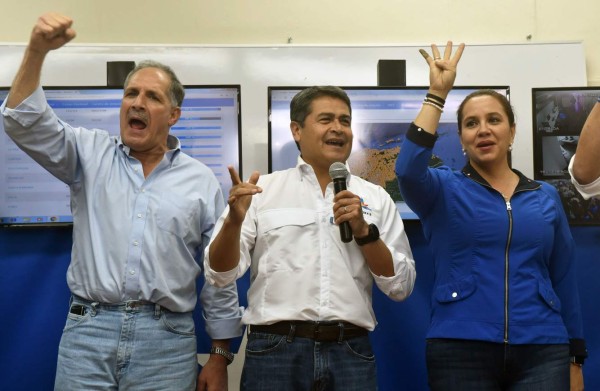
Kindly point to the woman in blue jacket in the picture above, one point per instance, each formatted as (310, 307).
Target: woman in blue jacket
(505, 308)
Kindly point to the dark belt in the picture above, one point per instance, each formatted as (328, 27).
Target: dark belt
(319, 331)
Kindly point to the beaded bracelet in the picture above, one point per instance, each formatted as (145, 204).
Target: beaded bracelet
(436, 98)
(433, 105)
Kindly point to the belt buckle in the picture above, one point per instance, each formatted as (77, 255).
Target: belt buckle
(77, 309)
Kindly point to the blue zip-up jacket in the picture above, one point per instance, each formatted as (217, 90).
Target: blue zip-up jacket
(504, 271)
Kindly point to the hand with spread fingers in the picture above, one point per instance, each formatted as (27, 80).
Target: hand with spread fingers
(442, 70)
(240, 195)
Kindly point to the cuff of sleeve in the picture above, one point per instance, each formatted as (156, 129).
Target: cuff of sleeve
(28, 111)
(225, 328)
(577, 348)
(421, 137)
(219, 279)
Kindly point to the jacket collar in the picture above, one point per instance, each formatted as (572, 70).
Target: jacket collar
(524, 182)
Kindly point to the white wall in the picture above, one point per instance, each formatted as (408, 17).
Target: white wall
(320, 22)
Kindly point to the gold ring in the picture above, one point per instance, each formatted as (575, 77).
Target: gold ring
(436, 58)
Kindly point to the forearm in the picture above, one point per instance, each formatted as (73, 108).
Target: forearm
(378, 258)
(27, 78)
(586, 167)
(224, 251)
(429, 116)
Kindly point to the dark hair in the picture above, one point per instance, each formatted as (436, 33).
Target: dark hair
(496, 95)
(300, 106)
(176, 91)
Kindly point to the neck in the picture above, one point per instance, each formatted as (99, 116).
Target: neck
(149, 160)
(501, 178)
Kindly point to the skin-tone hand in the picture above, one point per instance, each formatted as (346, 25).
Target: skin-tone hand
(442, 70)
(346, 207)
(576, 378)
(213, 376)
(442, 73)
(240, 195)
(224, 251)
(51, 31)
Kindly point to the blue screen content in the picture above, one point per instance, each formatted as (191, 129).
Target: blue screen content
(380, 118)
(209, 131)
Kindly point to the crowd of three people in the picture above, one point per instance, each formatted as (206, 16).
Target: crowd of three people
(505, 309)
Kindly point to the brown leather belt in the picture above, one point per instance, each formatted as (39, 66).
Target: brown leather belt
(319, 331)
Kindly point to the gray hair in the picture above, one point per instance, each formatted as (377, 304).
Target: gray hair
(176, 91)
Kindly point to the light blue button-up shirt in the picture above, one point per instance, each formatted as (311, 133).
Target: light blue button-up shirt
(134, 238)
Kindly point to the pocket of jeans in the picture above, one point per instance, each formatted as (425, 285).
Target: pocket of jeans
(259, 343)
(360, 347)
(178, 323)
(74, 320)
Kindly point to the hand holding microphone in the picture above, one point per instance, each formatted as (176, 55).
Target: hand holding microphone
(339, 173)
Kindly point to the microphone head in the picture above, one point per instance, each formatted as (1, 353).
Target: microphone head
(338, 171)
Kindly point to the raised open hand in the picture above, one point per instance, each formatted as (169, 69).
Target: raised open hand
(442, 70)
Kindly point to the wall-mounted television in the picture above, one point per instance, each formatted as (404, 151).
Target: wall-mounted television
(380, 119)
(209, 130)
(558, 117)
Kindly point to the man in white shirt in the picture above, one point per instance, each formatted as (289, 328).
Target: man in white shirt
(585, 164)
(310, 298)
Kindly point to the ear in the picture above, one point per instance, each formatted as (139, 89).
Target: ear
(174, 117)
(296, 131)
(513, 132)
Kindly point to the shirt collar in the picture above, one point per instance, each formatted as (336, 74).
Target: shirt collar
(173, 146)
(306, 169)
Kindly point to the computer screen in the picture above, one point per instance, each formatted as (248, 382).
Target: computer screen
(380, 119)
(558, 117)
(209, 130)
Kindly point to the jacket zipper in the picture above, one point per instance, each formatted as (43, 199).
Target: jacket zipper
(508, 240)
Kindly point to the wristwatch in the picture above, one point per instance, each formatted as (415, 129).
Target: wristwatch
(219, 350)
(372, 236)
(577, 360)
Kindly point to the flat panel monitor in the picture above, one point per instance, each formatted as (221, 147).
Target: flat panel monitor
(209, 130)
(558, 117)
(380, 119)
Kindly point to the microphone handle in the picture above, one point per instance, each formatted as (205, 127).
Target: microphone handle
(339, 184)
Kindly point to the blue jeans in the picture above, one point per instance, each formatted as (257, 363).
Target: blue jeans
(274, 364)
(131, 346)
(454, 365)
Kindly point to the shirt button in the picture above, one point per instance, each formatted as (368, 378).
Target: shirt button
(132, 272)
(139, 215)
(135, 243)
(454, 295)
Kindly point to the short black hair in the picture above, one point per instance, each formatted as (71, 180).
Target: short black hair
(300, 106)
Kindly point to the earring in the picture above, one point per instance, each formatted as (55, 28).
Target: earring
(464, 152)
(510, 148)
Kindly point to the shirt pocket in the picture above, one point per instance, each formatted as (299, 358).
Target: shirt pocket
(288, 235)
(455, 290)
(176, 215)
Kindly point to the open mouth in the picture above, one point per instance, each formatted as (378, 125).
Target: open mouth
(137, 124)
(335, 142)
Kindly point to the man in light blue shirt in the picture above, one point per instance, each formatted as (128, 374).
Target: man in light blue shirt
(142, 213)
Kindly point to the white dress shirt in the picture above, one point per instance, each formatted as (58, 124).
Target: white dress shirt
(587, 191)
(300, 268)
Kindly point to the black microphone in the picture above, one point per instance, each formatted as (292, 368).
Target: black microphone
(338, 173)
